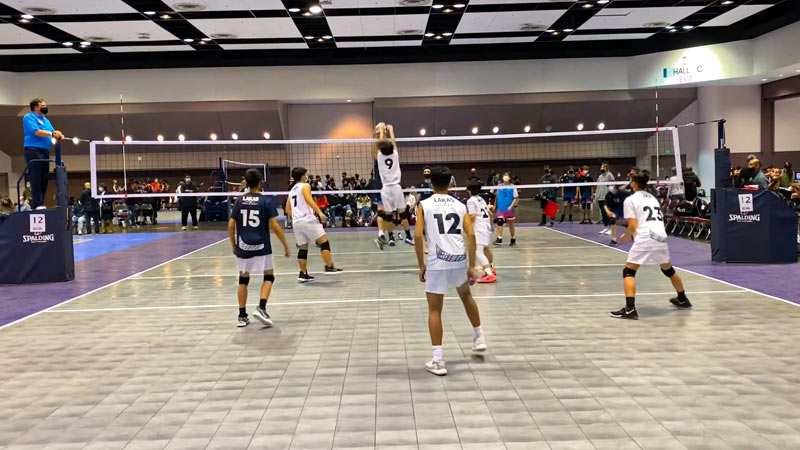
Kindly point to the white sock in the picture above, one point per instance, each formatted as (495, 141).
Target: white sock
(487, 270)
(477, 332)
(380, 233)
(438, 354)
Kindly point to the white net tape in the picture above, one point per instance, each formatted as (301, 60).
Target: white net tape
(657, 150)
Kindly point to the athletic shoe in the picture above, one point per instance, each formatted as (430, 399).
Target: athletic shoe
(479, 345)
(391, 243)
(379, 243)
(487, 279)
(332, 270)
(681, 304)
(541, 224)
(305, 278)
(262, 316)
(194, 227)
(624, 313)
(613, 242)
(182, 228)
(494, 271)
(498, 241)
(603, 231)
(408, 241)
(513, 243)
(551, 224)
(243, 322)
(436, 368)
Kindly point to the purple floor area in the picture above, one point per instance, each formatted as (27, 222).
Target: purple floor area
(90, 274)
(777, 280)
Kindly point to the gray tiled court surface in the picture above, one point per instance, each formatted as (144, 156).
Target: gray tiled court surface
(156, 361)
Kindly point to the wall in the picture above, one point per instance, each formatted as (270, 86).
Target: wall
(11, 177)
(10, 89)
(688, 136)
(787, 125)
(741, 107)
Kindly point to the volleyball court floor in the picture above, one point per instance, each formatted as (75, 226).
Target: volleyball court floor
(156, 361)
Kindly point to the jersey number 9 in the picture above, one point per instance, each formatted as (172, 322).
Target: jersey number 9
(389, 163)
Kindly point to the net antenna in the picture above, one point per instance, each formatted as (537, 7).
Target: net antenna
(230, 170)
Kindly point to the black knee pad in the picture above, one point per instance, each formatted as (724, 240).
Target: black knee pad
(405, 215)
(389, 217)
(302, 254)
(325, 246)
(500, 221)
(269, 278)
(669, 272)
(628, 272)
(244, 280)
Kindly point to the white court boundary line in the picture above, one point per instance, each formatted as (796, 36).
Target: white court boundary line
(494, 249)
(110, 284)
(401, 269)
(373, 300)
(685, 270)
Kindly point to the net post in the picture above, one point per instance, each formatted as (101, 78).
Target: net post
(93, 167)
(677, 146)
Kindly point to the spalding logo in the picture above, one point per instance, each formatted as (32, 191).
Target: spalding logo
(744, 218)
(38, 238)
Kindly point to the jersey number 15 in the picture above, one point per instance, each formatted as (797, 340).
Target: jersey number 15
(250, 218)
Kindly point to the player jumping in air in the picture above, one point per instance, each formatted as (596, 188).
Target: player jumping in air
(392, 198)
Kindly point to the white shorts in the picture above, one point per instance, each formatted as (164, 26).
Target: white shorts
(254, 265)
(650, 254)
(483, 238)
(307, 232)
(440, 281)
(392, 199)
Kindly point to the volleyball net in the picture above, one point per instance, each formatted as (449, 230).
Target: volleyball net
(217, 167)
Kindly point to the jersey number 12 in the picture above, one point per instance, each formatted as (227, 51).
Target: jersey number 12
(453, 227)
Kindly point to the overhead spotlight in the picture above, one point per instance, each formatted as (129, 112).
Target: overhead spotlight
(422, 131)
(780, 76)
(763, 79)
(67, 44)
(316, 9)
(203, 42)
(601, 126)
(687, 27)
(266, 135)
(673, 30)
(437, 6)
(727, 2)
(602, 2)
(206, 39)
(447, 10)
(213, 136)
(568, 30)
(106, 139)
(128, 138)
(150, 13)
(798, 70)
(588, 5)
(459, 5)
(474, 130)
(555, 34)
(165, 16)
(85, 43)
(447, 34)
(429, 34)
(580, 127)
(550, 31)
(234, 136)
(160, 138)
(309, 37)
(320, 40)
(438, 37)
(496, 129)
(670, 27)
(181, 137)
(188, 40)
(27, 16)
(327, 37)
(527, 128)
(24, 20)
(306, 14)
(75, 140)
(294, 10)
(349, 100)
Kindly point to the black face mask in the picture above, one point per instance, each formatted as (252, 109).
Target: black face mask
(602, 170)
(43, 111)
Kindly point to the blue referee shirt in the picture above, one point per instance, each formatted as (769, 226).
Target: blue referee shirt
(32, 123)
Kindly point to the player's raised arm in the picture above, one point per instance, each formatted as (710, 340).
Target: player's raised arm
(390, 130)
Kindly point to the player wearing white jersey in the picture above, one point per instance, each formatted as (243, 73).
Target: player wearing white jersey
(646, 229)
(445, 222)
(393, 210)
(482, 218)
(307, 228)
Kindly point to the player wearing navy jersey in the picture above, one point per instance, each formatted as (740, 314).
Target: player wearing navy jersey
(393, 209)
(646, 229)
(445, 223)
(248, 231)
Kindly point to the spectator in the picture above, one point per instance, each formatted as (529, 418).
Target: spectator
(585, 194)
(91, 209)
(106, 211)
(787, 175)
(6, 207)
(130, 202)
(364, 206)
(473, 176)
(676, 190)
(547, 194)
(26, 194)
(757, 177)
(115, 187)
(491, 180)
(78, 217)
(188, 205)
(23, 205)
(606, 176)
(691, 182)
(425, 184)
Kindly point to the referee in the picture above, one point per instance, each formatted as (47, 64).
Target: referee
(38, 134)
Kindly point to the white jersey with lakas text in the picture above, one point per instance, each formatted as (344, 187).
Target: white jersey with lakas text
(389, 168)
(301, 211)
(646, 209)
(444, 225)
(476, 206)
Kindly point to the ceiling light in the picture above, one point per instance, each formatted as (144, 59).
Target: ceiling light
(320, 40)
(24, 20)
(527, 128)
(202, 42)
(474, 130)
(128, 138)
(550, 31)
(459, 5)
(602, 2)
(294, 10)
(496, 129)
(727, 2)
(568, 30)
(448, 10)
(266, 135)
(580, 127)
(150, 13)
(447, 34)
(588, 5)
(309, 37)
(213, 136)
(780, 76)
(349, 101)
(160, 138)
(438, 37)
(673, 30)
(165, 16)
(75, 140)
(27, 16)
(327, 37)
(428, 34)
(437, 6)
(670, 27)
(555, 34)
(67, 44)
(181, 137)
(422, 131)
(106, 139)
(316, 9)
(234, 136)
(687, 27)
(306, 13)
(798, 70)
(601, 126)
(763, 79)
(188, 40)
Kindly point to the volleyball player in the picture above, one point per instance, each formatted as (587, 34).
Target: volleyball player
(570, 192)
(481, 216)
(248, 231)
(613, 205)
(504, 204)
(445, 221)
(392, 199)
(307, 228)
(646, 229)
